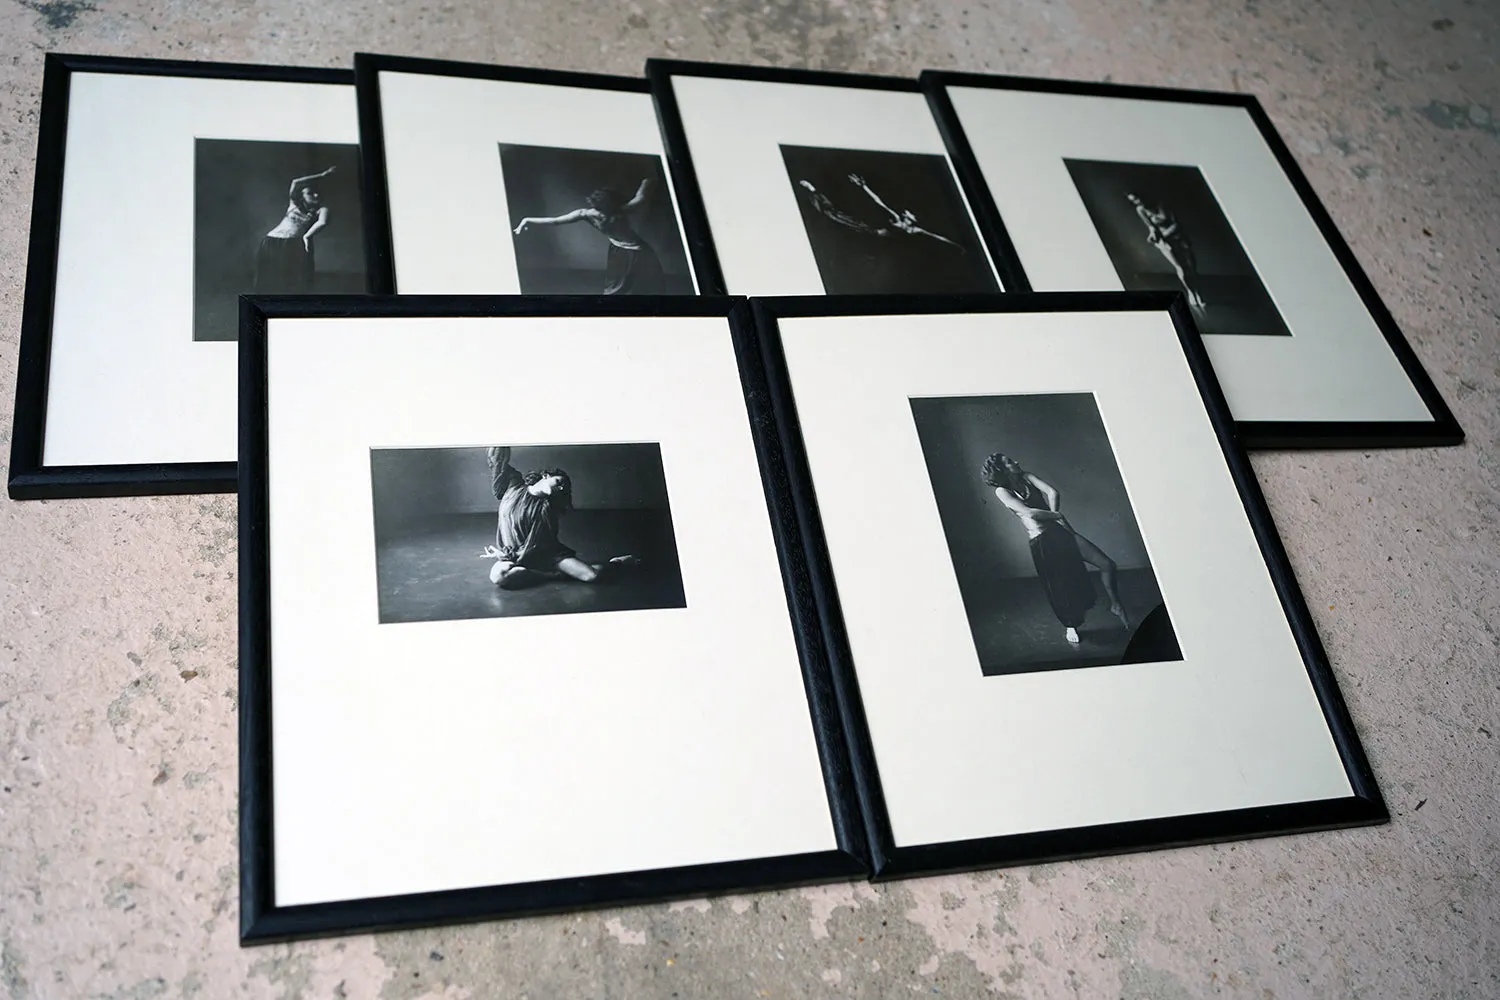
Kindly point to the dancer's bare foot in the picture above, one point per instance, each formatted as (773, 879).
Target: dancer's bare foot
(1119, 613)
(513, 577)
(625, 561)
(1072, 634)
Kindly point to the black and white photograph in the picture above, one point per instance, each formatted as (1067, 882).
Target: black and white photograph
(503, 531)
(272, 218)
(593, 222)
(531, 652)
(1164, 230)
(156, 185)
(1044, 542)
(886, 223)
(1060, 590)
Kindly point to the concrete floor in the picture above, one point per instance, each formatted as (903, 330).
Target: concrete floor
(118, 873)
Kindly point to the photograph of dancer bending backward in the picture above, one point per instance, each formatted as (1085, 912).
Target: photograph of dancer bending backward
(1049, 558)
(510, 531)
(272, 218)
(592, 222)
(886, 223)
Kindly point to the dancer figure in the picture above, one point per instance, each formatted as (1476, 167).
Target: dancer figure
(527, 550)
(1057, 550)
(899, 222)
(284, 259)
(1163, 233)
(632, 267)
(903, 220)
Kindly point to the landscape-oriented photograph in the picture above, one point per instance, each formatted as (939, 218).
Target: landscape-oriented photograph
(502, 531)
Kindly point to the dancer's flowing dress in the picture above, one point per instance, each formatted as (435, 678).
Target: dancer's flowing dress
(1060, 567)
(632, 267)
(283, 266)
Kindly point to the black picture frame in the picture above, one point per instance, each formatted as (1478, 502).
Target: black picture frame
(261, 920)
(1364, 807)
(367, 69)
(29, 478)
(659, 73)
(1443, 430)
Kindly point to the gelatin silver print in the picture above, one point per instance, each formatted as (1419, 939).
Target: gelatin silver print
(1164, 230)
(886, 223)
(1050, 561)
(502, 531)
(272, 218)
(593, 222)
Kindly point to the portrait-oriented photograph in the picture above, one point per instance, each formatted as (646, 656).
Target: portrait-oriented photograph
(886, 223)
(1164, 231)
(593, 222)
(272, 218)
(504, 531)
(1044, 541)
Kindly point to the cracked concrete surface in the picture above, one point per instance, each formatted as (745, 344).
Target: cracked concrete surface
(117, 617)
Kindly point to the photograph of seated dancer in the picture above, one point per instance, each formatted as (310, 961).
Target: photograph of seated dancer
(526, 549)
(533, 529)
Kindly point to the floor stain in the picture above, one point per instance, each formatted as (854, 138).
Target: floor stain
(10, 972)
(1461, 117)
(58, 15)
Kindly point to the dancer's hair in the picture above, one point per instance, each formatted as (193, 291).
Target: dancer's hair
(996, 474)
(606, 200)
(562, 493)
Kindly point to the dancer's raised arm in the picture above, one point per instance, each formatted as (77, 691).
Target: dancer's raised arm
(859, 182)
(298, 183)
(502, 474)
(904, 221)
(1147, 217)
(639, 198)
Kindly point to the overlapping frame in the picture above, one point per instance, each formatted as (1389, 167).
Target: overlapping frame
(262, 919)
(706, 263)
(29, 477)
(368, 68)
(1365, 806)
(1442, 428)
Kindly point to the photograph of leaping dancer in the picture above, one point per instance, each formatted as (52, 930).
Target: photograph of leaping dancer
(886, 223)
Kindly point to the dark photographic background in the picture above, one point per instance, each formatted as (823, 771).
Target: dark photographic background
(853, 263)
(569, 260)
(434, 515)
(240, 194)
(1238, 302)
(1060, 438)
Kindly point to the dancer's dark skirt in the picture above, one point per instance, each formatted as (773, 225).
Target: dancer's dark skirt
(632, 272)
(283, 267)
(1070, 588)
